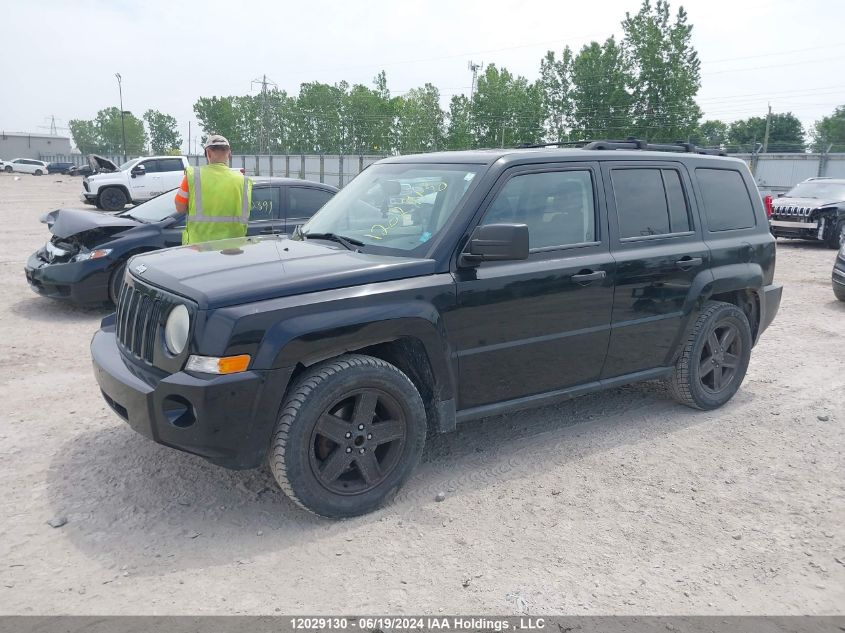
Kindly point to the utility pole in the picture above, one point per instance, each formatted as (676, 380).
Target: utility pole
(766, 135)
(264, 129)
(474, 69)
(122, 119)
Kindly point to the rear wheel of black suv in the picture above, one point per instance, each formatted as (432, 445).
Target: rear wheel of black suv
(715, 358)
(349, 434)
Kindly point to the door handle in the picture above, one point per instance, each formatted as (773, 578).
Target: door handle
(685, 263)
(589, 276)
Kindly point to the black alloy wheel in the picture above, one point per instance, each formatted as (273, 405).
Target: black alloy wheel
(112, 199)
(714, 359)
(358, 441)
(349, 433)
(721, 356)
(8, 169)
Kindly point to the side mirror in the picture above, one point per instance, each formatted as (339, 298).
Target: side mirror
(781, 195)
(495, 243)
(138, 170)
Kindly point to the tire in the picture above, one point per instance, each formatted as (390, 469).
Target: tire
(116, 281)
(38, 172)
(838, 291)
(834, 238)
(709, 371)
(325, 423)
(8, 169)
(112, 199)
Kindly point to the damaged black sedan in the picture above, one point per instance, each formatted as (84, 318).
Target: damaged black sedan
(85, 258)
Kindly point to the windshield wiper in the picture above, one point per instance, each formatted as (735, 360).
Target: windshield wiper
(347, 242)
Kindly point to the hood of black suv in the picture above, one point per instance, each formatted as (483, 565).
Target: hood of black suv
(230, 272)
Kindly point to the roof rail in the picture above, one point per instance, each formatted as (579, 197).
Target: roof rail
(632, 143)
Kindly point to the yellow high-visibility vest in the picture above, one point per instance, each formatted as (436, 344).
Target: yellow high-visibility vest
(218, 203)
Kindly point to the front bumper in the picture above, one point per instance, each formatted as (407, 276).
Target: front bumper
(228, 420)
(88, 198)
(80, 282)
(770, 298)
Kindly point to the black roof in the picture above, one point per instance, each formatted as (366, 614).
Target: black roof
(275, 180)
(545, 154)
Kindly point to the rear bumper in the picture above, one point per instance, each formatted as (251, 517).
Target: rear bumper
(770, 297)
(227, 420)
(80, 282)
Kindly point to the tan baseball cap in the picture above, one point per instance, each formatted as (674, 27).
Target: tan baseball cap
(216, 140)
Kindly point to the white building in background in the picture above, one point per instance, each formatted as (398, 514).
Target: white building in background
(22, 145)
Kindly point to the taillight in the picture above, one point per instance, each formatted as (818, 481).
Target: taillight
(767, 201)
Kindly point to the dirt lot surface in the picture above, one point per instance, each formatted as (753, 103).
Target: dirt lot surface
(617, 503)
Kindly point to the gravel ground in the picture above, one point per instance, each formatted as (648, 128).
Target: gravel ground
(616, 503)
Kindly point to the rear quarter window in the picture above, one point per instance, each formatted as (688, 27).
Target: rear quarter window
(727, 204)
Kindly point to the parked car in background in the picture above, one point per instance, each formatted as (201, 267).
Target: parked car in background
(81, 170)
(439, 288)
(59, 168)
(812, 210)
(26, 166)
(85, 258)
(134, 181)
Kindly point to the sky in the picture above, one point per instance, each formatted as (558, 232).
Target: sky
(60, 57)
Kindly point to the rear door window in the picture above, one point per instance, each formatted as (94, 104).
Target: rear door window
(649, 201)
(727, 204)
(170, 164)
(303, 202)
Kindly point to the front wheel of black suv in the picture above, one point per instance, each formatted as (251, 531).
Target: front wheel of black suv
(715, 358)
(350, 432)
(835, 236)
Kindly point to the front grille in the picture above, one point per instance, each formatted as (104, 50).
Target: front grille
(792, 211)
(138, 321)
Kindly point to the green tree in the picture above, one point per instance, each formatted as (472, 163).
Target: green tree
(85, 136)
(666, 72)
(556, 87)
(419, 121)
(164, 134)
(368, 118)
(317, 123)
(786, 134)
(217, 115)
(711, 133)
(104, 134)
(459, 129)
(506, 110)
(601, 102)
(829, 132)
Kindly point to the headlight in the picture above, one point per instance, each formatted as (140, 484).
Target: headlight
(176, 329)
(95, 254)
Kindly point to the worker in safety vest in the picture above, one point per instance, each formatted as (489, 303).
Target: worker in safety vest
(216, 199)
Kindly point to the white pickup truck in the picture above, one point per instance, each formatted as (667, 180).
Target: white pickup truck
(134, 181)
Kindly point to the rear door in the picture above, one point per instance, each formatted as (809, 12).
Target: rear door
(265, 214)
(170, 174)
(530, 327)
(302, 203)
(659, 251)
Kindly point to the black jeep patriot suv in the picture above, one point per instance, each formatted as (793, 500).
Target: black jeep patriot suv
(437, 288)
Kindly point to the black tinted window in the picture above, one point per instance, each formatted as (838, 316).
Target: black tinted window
(149, 166)
(678, 214)
(640, 202)
(305, 202)
(265, 204)
(556, 206)
(170, 164)
(726, 202)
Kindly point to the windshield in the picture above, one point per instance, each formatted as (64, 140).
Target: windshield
(395, 207)
(128, 164)
(155, 210)
(832, 191)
